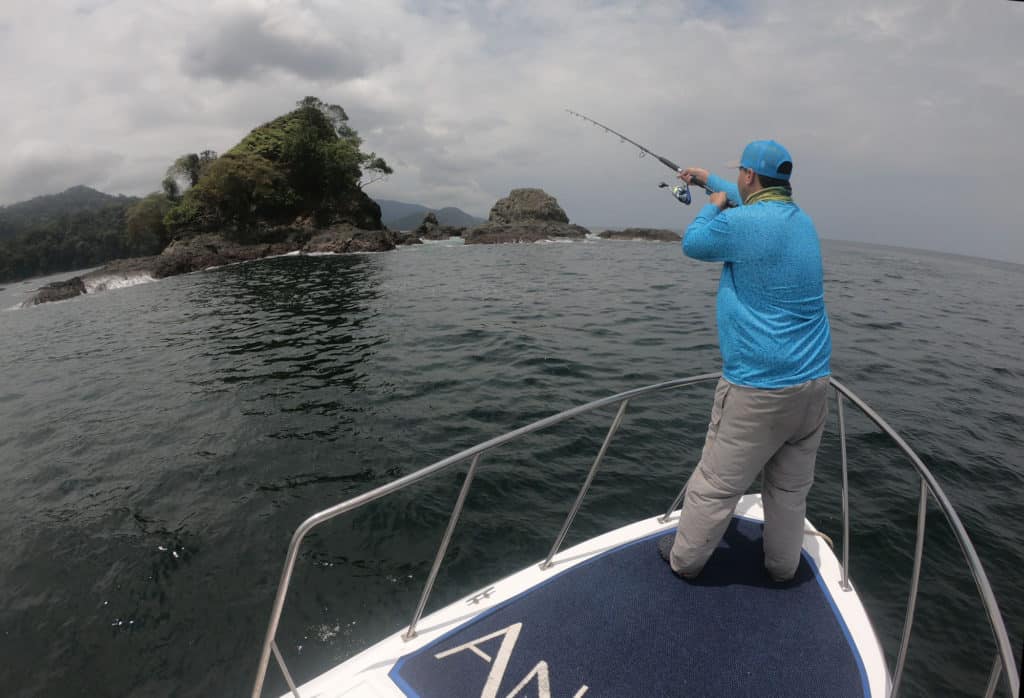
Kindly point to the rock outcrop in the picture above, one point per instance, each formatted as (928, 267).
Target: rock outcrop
(655, 234)
(431, 229)
(205, 251)
(527, 204)
(59, 291)
(341, 239)
(525, 215)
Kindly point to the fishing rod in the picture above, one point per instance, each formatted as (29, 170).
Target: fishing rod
(681, 192)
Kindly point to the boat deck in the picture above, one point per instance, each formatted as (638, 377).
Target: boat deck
(611, 619)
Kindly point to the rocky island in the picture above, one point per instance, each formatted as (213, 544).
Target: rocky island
(292, 185)
(525, 215)
(431, 229)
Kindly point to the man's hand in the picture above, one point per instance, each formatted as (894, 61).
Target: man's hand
(720, 200)
(694, 175)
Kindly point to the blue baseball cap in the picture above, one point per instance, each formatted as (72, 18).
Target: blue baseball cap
(767, 158)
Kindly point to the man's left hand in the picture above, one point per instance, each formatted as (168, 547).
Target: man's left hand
(720, 200)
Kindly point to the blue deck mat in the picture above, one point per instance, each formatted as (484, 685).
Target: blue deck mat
(625, 626)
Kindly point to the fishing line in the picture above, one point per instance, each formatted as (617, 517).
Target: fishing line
(681, 192)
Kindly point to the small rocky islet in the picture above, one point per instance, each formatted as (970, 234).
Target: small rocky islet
(525, 215)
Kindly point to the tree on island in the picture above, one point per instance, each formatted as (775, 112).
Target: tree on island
(190, 167)
(144, 225)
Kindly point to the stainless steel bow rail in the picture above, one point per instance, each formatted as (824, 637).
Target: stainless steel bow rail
(1004, 663)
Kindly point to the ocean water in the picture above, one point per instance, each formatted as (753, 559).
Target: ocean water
(159, 444)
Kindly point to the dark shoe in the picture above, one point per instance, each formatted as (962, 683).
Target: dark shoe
(665, 544)
(779, 580)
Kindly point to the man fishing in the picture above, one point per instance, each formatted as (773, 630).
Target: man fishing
(770, 404)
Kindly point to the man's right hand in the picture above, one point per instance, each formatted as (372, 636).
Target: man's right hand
(695, 175)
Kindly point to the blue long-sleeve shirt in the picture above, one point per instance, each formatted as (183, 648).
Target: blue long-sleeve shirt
(773, 328)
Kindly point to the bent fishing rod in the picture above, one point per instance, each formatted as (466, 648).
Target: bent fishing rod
(682, 193)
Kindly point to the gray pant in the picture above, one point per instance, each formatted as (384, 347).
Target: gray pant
(750, 430)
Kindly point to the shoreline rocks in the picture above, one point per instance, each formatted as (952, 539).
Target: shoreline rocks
(202, 252)
(524, 231)
(525, 215)
(651, 234)
(344, 239)
(210, 250)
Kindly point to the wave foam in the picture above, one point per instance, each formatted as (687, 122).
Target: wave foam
(453, 241)
(109, 282)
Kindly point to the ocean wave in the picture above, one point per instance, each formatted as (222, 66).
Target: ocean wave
(109, 282)
(448, 242)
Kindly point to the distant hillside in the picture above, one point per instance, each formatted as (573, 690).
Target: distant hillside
(46, 211)
(402, 216)
(78, 228)
(393, 210)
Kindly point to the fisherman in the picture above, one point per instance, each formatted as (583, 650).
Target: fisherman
(773, 333)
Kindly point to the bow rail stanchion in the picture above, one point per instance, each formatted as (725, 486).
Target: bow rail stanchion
(845, 581)
(929, 485)
(915, 580)
(586, 485)
(439, 558)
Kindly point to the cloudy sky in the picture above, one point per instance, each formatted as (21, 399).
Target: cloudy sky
(902, 115)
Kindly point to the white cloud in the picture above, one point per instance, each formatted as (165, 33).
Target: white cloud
(902, 116)
(245, 43)
(41, 166)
